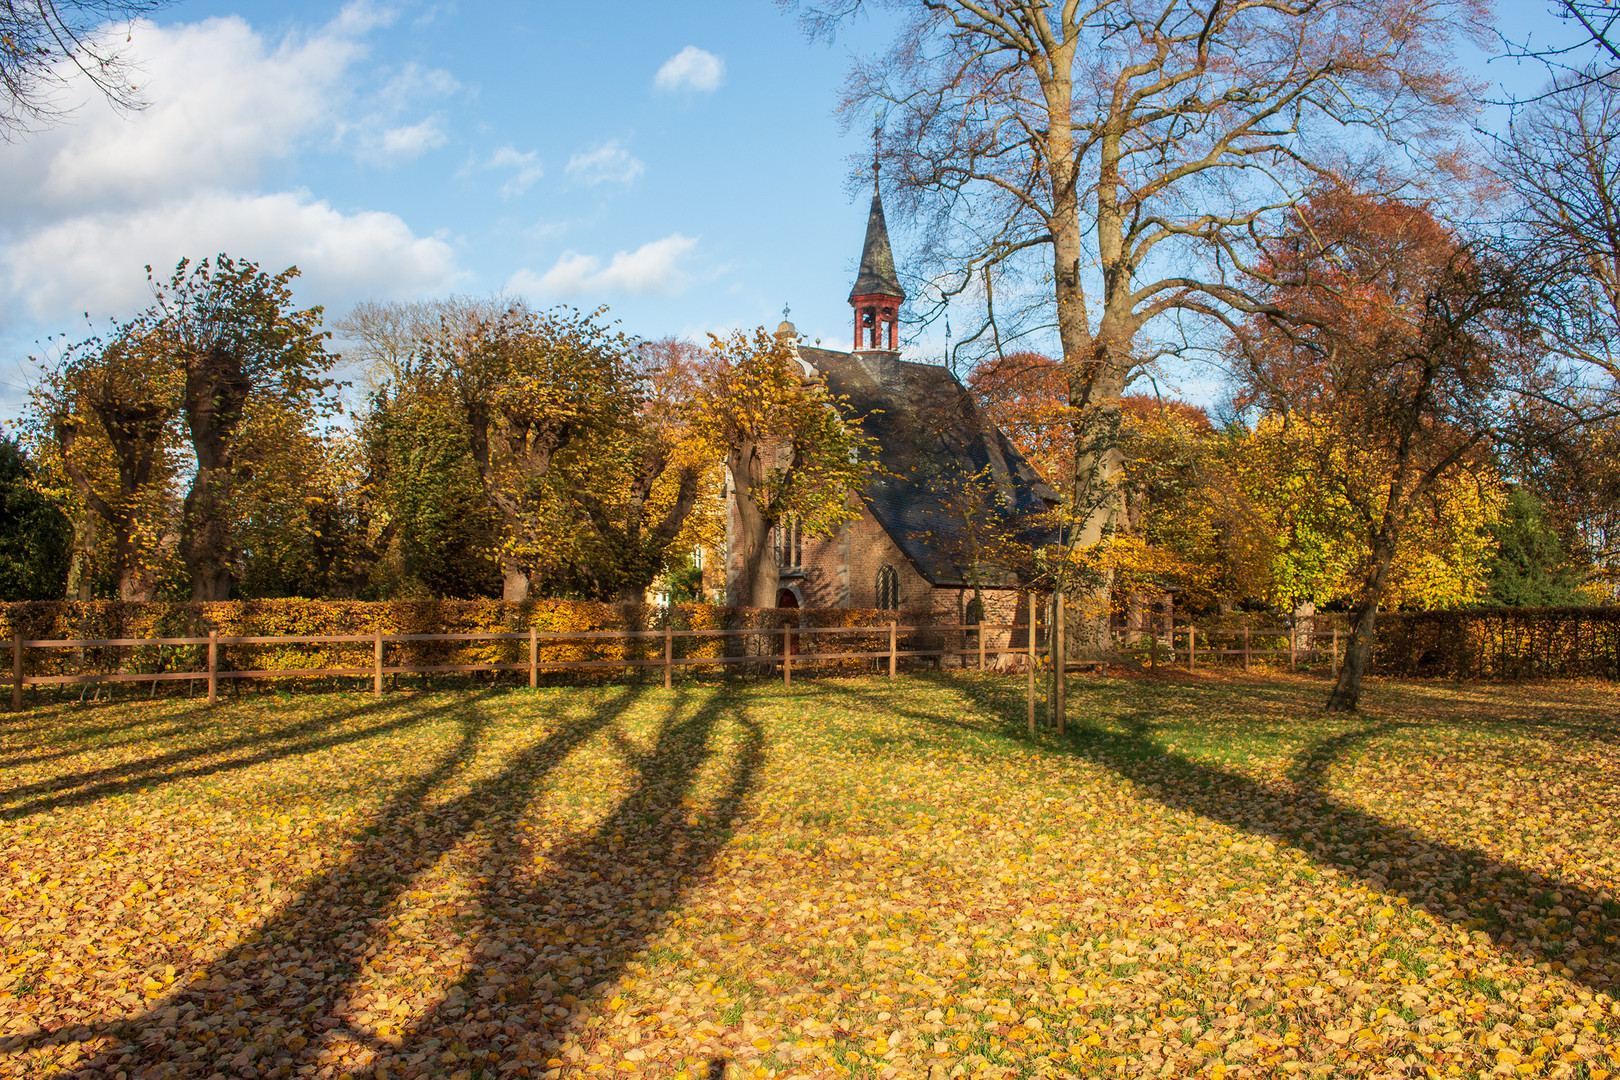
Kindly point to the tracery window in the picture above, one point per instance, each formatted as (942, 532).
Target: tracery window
(888, 589)
(788, 541)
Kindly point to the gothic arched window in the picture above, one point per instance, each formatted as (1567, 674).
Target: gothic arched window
(888, 589)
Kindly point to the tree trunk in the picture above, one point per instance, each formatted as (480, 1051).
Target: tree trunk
(216, 393)
(79, 585)
(136, 585)
(1346, 696)
(760, 576)
(205, 540)
(514, 582)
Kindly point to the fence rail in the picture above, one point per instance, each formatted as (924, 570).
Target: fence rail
(1507, 643)
(1304, 644)
(787, 649)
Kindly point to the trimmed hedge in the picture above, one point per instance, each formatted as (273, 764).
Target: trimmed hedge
(1500, 643)
(68, 620)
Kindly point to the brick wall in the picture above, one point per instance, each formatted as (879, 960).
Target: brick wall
(841, 571)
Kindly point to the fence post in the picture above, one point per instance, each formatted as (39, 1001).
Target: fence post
(1293, 646)
(893, 644)
(669, 652)
(1333, 668)
(1245, 647)
(213, 666)
(787, 656)
(979, 633)
(16, 671)
(1031, 665)
(1153, 643)
(376, 663)
(1060, 662)
(1192, 646)
(534, 658)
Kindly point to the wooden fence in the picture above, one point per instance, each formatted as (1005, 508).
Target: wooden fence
(1504, 643)
(761, 648)
(1301, 644)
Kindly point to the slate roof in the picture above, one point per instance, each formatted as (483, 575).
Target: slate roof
(877, 275)
(931, 436)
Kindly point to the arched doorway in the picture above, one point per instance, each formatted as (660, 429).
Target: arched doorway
(787, 599)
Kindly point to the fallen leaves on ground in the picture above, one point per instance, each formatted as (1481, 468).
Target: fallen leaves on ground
(851, 877)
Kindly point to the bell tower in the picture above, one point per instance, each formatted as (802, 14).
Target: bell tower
(877, 293)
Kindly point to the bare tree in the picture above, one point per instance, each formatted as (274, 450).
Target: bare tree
(47, 45)
(1122, 154)
(1561, 164)
(1594, 50)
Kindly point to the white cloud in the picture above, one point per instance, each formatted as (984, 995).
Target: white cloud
(654, 267)
(404, 143)
(92, 262)
(90, 201)
(383, 138)
(362, 16)
(526, 164)
(414, 82)
(691, 69)
(608, 163)
(222, 103)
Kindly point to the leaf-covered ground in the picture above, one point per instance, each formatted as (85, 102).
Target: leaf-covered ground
(851, 877)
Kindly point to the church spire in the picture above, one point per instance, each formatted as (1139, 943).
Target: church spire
(877, 276)
(877, 293)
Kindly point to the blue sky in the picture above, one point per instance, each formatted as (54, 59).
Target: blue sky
(679, 163)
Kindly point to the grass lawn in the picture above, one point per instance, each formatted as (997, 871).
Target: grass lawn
(1206, 877)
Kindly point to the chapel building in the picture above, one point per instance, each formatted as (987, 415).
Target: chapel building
(908, 548)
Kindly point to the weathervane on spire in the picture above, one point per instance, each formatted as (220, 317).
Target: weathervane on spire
(785, 310)
(877, 150)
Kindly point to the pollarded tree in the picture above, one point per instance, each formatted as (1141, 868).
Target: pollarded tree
(531, 385)
(1118, 155)
(252, 367)
(106, 413)
(639, 483)
(788, 452)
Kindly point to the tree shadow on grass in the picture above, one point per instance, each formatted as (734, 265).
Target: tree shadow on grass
(67, 741)
(541, 938)
(88, 786)
(1466, 886)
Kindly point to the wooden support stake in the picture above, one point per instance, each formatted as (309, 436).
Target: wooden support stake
(534, 658)
(1153, 643)
(1060, 663)
(1031, 665)
(669, 653)
(1334, 667)
(213, 666)
(787, 656)
(979, 633)
(376, 664)
(1192, 646)
(16, 671)
(1293, 646)
(1245, 648)
(894, 660)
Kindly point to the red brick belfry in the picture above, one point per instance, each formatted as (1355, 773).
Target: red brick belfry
(877, 293)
